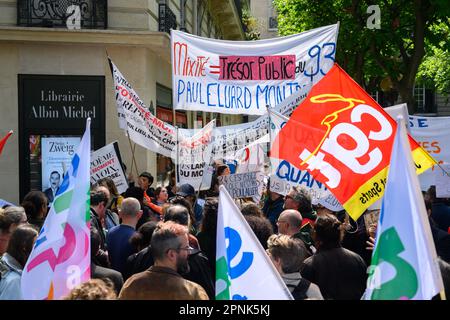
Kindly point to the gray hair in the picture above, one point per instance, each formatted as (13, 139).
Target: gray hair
(167, 235)
(15, 214)
(130, 207)
(303, 198)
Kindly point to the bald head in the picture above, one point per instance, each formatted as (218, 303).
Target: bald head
(289, 222)
(130, 207)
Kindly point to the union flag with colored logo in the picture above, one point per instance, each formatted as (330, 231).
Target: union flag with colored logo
(344, 139)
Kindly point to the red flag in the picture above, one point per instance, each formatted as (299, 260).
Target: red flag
(3, 141)
(344, 139)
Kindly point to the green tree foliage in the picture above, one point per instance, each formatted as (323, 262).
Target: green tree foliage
(435, 68)
(393, 52)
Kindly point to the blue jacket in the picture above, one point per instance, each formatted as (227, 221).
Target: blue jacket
(10, 273)
(272, 210)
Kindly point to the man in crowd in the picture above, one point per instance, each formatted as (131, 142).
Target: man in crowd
(117, 239)
(290, 223)
(170, 249)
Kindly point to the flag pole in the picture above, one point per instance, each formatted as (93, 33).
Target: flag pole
(442, 294)
(177, 159)
(132, 155)
(270, 142)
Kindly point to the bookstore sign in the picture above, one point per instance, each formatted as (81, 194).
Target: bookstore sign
(61, 101)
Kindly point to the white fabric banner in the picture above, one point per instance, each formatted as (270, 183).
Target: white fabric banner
(194, 156)
(142, 126)
(243, 268)
(230, 140)
(433, 134)
(243, 77)
(105, 162)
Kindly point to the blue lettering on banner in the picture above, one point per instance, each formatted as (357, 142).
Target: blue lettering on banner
(315, 52)
(234, 96)
(287, 172)
(234, 246)
(421, 122)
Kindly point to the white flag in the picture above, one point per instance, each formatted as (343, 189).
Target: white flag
(404, 263)
(243, 269)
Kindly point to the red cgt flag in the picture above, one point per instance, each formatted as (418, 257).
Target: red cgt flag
(3, 141)
(344, 139)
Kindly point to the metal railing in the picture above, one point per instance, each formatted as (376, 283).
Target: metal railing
(167, 19)
(87, 14)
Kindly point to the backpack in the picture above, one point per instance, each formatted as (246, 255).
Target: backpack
(299, 292)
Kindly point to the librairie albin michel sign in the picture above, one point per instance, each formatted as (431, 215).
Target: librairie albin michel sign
(62, 101)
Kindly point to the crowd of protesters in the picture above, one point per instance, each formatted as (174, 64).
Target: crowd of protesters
(160, 243)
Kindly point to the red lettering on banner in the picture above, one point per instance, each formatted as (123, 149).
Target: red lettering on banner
(279, 67)
(184, 65)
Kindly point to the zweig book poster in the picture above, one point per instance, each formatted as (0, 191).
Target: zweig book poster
(57, 153)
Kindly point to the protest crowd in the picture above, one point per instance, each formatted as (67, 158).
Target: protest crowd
(282, 223)
(145, 245)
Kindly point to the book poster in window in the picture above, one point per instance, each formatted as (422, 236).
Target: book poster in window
(57, 153)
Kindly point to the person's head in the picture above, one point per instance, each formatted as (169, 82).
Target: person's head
(55, 179)
(327, 232)
(16, 215)
(286, 253)
(251, 209)
(145, 180)
(93, 289)
(223, 170)
(110, 185)
(161, 194)
(135, 192)
(261, 227)
(177, 213)
(130, 212)
(35, 205)
(299, 199)
(274, 196)
(209, 221)
(188, 192)
(21, 243)
(289, 222)
(99, 201)
(142, 237)
(170, 246)
(180, 200)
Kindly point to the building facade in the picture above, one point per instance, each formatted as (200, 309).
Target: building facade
(54, 73)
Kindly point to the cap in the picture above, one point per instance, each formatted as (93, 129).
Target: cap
(146, 175)
(186, 190)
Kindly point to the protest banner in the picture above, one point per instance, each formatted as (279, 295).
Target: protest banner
(404, 261)
(57, 153)
(243, 185)
(239, 77)
(229, 140)
(60, 259)
(243, 268)
(106, 162)
(344, 139)
(433, 134)
(284, 175)
(142, 126)
(194, 156)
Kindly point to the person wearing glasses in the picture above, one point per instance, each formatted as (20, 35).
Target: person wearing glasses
(162, 281)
